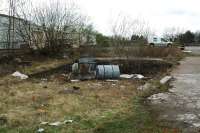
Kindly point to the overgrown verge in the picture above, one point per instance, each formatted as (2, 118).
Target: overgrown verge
(139, 119)
(132, 51)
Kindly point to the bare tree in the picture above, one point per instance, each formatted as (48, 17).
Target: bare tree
(171, 33)
(123, 28)
(49, 27)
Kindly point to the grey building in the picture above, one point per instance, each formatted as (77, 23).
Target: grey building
(9, 36)
(16, 33)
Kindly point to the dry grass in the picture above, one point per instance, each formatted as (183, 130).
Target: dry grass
(134, 51)
(27, 103)
(44, 65)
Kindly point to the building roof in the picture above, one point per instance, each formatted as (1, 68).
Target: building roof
(7, 16)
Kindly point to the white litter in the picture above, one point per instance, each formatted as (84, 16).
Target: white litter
(131, 76)
(75, 80)
(20, 75)
(44, 123)
(138, 76)
(58, 123)
(40, 130)
(126, 76)
(68, 121)
(109, 80)
(166, 79)
(187, 51)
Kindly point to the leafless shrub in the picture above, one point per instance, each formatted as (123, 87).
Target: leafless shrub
(123, 28)
(50, 27)
(171, 33)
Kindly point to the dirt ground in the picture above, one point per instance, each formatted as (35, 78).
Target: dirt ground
(181, 105)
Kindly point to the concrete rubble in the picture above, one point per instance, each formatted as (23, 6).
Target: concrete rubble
(165, 80)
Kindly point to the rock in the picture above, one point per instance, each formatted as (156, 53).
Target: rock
(159, 98)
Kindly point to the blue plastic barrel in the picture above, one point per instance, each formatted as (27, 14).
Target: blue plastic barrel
(107, 72)
(100, 72)
(116, 71)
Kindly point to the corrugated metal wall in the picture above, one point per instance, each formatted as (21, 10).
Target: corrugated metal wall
(4, 32)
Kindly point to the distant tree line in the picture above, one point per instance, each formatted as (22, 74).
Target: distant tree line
(188, 37)
(106, 41)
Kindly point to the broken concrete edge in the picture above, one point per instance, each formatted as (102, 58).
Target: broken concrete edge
(166, 80)
(153, 87)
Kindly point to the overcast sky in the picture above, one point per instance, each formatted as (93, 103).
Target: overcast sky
(160, 14)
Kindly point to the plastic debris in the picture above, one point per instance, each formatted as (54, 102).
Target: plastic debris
(75, 80)
(44, 123)
(138, 76)
(131, 76)
(20, 75)
(40, 130)
(58, 123)
(126, 76)
(68, 121)
(187, 51)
